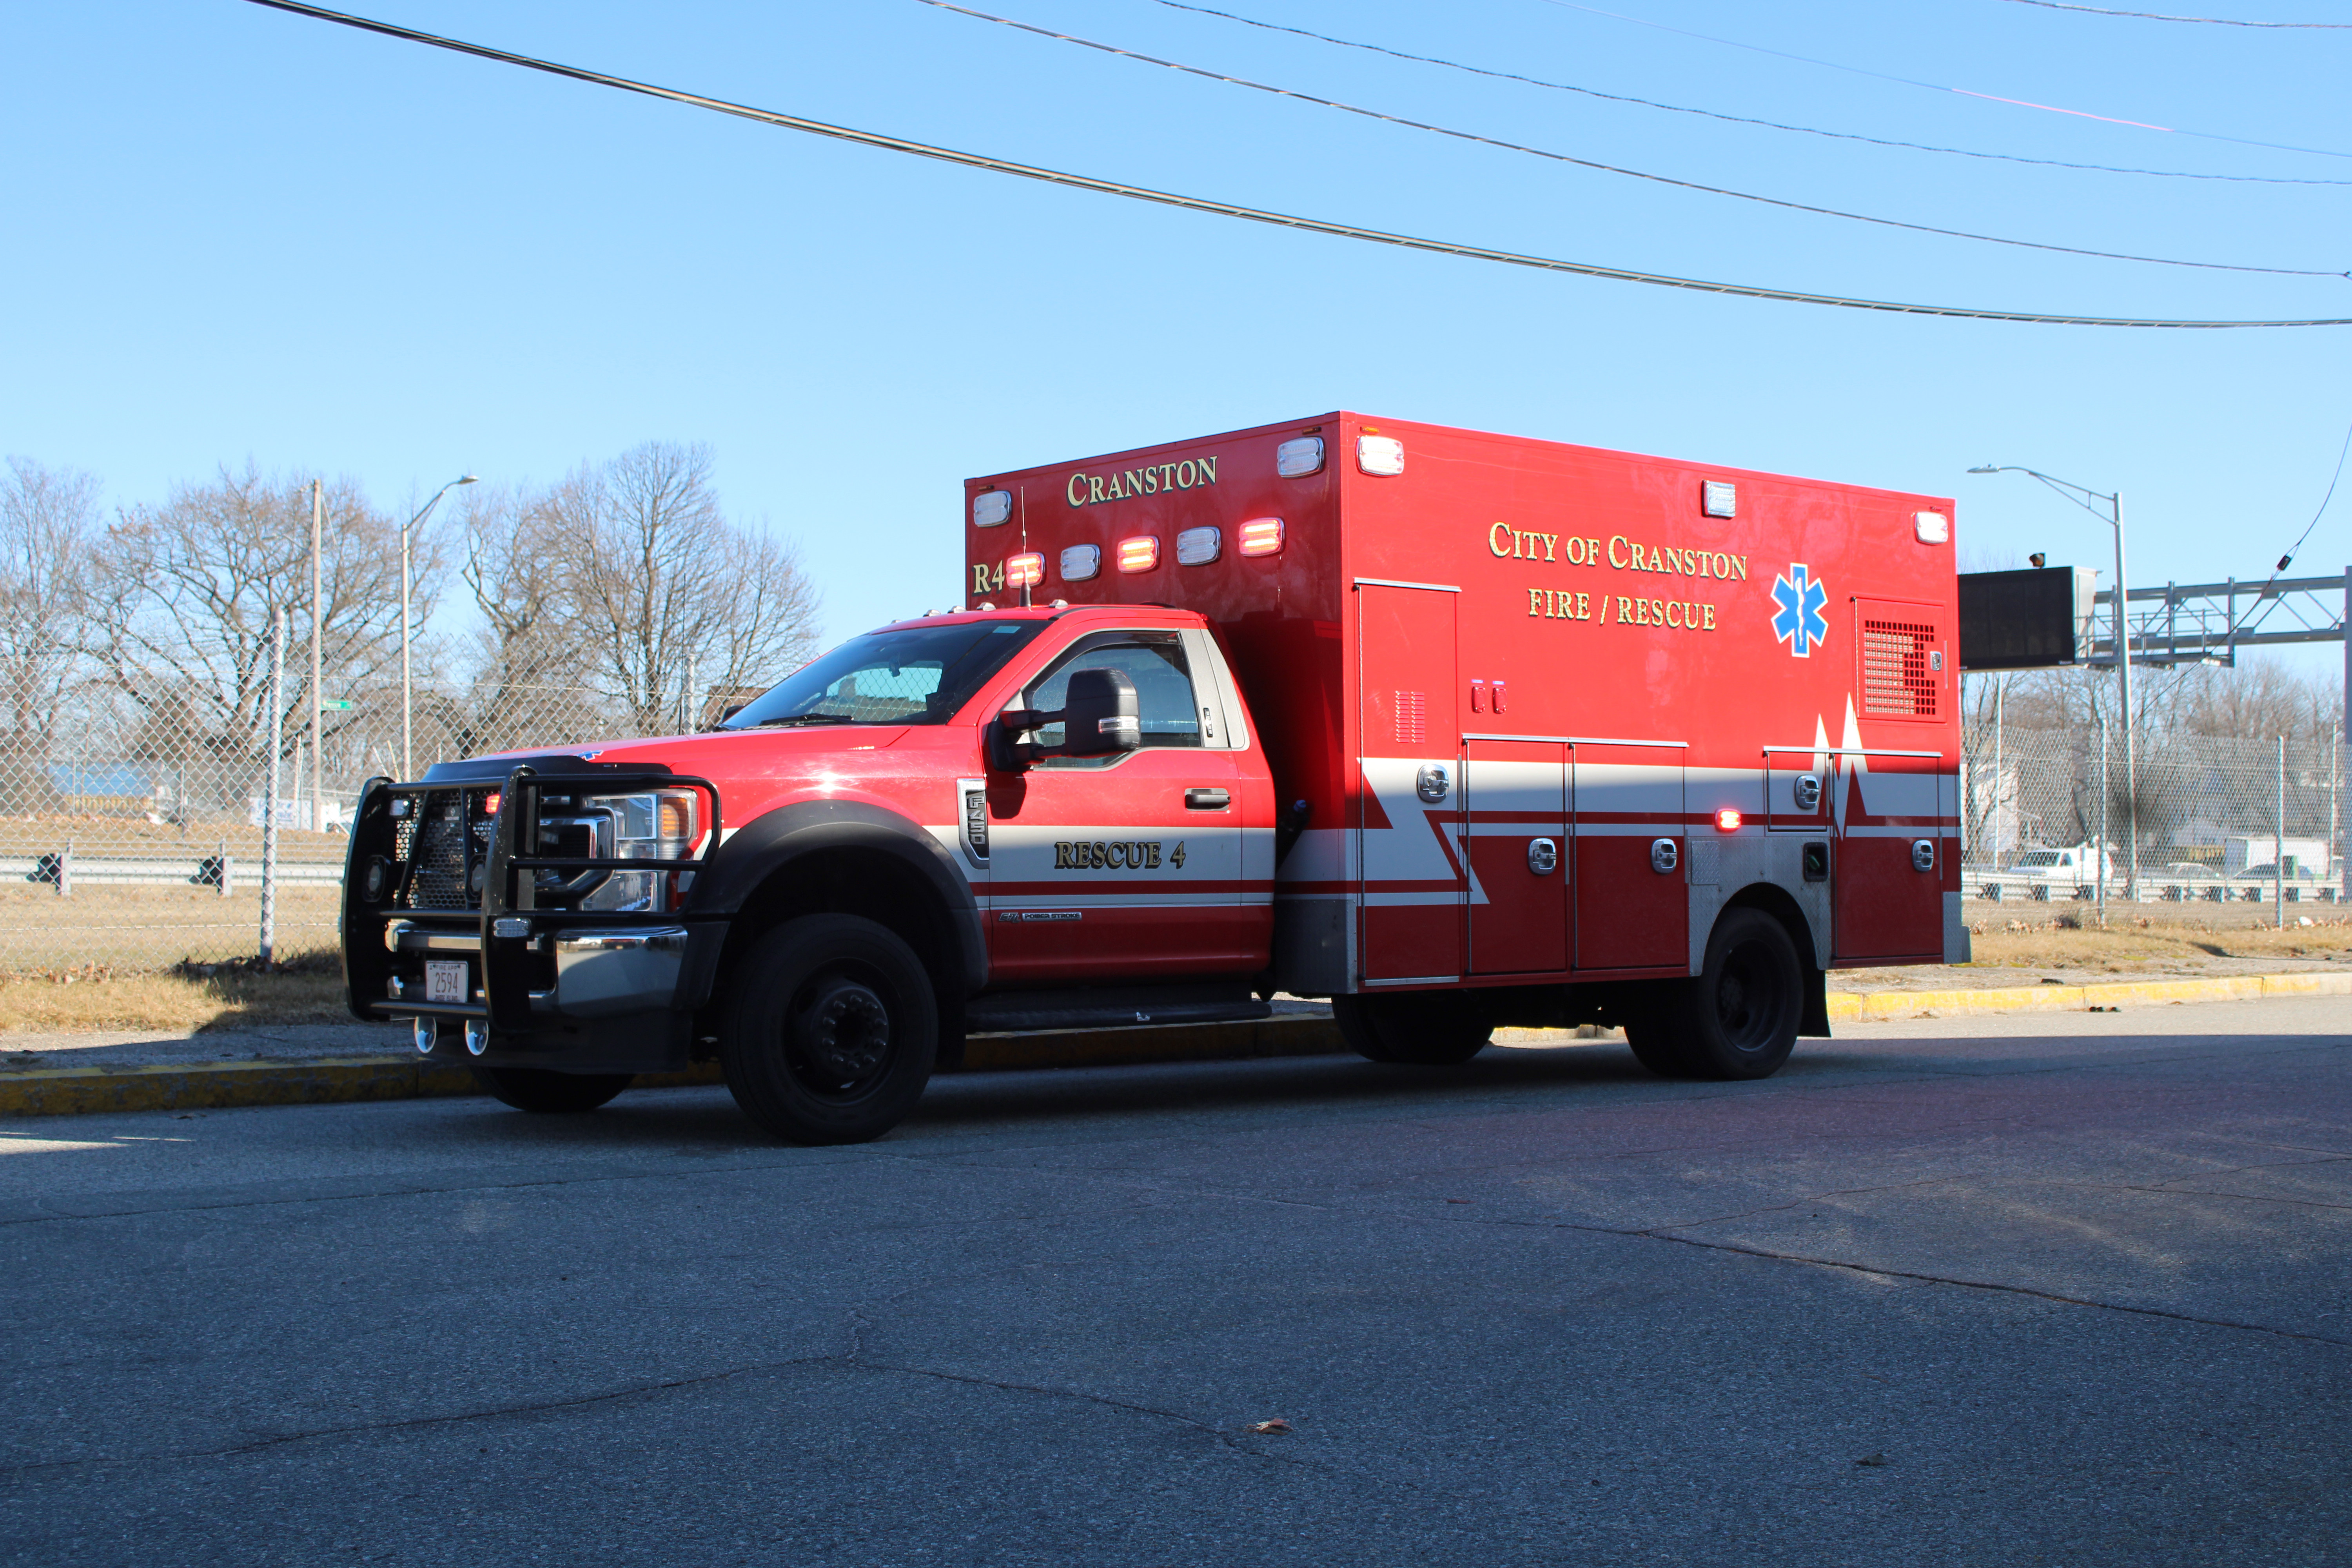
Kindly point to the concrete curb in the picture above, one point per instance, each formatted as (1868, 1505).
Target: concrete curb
(76, 1091)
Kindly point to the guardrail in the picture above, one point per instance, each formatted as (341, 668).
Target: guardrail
(65, 869)
(1993, 888)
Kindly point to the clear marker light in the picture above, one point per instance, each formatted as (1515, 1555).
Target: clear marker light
(1262, 536)
(1081, 562)
(1727, 820)
(1199, 546)
(1140, 554)
(990, 508)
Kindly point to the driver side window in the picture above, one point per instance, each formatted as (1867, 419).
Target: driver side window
(1164, 700)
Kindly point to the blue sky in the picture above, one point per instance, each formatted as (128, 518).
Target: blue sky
(235, 232)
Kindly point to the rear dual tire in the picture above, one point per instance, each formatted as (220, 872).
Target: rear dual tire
(1736, 1019)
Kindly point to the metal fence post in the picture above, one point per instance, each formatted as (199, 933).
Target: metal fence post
(269, 798)
(2278, 840)
(2099, 855)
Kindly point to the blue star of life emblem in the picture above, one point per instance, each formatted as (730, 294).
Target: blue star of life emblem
(1799, 622)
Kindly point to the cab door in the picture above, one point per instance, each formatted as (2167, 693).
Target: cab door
(1128, 867)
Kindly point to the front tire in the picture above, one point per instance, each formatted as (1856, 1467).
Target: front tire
(1737, 1017)
(551, 1093)
(833, 1031)
(1420, 1028)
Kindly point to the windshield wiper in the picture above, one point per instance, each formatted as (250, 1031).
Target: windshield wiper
(804, 718)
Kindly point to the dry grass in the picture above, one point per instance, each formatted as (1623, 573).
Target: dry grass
(125, 928)
(2136, 943)
(308, 990)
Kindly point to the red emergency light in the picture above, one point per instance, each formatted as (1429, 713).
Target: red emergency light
(1025, 571)
(1727, 820)
(1140, 554)
(1262, 536)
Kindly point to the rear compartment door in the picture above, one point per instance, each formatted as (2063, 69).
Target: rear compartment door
(1631, 896)
(1409, 797)
(1515, 797)
(1892, 794)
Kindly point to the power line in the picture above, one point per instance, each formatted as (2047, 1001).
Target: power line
(1739, 119)
(1233, 210)
(1943, 87)
(2160, 16)
(1614, 169)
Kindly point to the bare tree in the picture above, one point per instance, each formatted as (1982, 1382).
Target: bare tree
(665, 591)
(49, 521)
(185, 610)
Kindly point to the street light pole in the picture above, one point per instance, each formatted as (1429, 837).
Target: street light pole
(2113, 518)
(407, 757)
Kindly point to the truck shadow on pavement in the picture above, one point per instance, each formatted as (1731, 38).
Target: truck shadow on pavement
(961, 1105)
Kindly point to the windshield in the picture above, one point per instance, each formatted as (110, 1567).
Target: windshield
(918, 675)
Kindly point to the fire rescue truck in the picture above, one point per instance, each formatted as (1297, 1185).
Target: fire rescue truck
(1455, 729)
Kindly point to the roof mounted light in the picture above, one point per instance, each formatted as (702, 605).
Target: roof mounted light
(1081, 562)
(1199, 546)
(1299, 457)
(1262, 536)
(1931, 527)
(1381, 454)
(1719, 498)
(1025, 571)
(990, 508)
(1140, 554)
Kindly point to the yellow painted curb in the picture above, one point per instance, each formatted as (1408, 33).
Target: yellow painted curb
(212, 1086)
(1859, 1005)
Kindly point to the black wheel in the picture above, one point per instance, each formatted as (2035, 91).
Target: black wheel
(1422, 1028)
(551, 1093)
(1737, 1017)
(832, 1031)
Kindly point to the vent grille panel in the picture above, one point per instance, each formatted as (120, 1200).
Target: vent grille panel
(1896, 683)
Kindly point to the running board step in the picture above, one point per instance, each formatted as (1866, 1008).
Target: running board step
(1014, 1011)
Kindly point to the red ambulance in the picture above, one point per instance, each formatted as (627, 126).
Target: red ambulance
(1457, 729)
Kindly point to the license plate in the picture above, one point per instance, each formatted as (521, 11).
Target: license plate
(444, 980)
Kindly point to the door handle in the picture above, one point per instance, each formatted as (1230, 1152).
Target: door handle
(1207, 799)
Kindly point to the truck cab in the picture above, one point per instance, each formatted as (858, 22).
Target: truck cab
(1013, 818)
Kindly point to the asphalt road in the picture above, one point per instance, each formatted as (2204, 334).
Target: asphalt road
(2068, 1290)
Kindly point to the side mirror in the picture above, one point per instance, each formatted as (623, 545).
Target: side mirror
(1098, 716)
(1099, 719)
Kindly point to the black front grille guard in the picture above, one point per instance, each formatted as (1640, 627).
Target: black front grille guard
(376, 877)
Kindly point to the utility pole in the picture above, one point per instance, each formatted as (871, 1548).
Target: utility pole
(317, 802)
(269, 798)
(2123, 666)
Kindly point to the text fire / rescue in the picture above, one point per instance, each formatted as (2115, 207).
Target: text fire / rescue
(1625, 554)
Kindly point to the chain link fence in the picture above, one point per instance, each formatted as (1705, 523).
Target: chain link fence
(2051, 815)
(122, 851)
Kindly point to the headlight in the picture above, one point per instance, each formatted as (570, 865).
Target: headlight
(648, 824)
